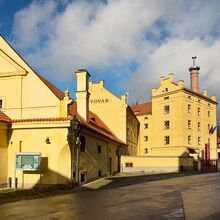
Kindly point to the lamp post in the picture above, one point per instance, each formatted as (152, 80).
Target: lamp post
(73, 137)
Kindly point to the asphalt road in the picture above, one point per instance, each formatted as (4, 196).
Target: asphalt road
(187, 197)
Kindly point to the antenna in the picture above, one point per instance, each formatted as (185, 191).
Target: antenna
(194, 61)
(81, 64)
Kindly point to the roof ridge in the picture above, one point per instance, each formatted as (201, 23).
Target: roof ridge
(57, 92)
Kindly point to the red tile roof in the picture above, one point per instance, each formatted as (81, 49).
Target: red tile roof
(143, 108)
(4, 117)
(95, 123)
(58, 93)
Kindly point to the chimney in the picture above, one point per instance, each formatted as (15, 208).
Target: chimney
(82, 94)
(194, 76)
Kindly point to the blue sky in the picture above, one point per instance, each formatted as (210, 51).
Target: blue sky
(129, 44)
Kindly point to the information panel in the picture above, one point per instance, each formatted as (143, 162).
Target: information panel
(28, 161)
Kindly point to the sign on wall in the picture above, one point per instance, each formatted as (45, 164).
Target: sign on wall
(28, 161)
(100, 101)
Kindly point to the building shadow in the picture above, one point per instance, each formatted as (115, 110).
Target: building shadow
(185, 167)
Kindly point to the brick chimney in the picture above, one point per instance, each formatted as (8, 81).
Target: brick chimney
(82, 94)
(194, 76)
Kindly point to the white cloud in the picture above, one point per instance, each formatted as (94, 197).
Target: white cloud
(174, 56)
(60, 36)
(30, 24)
(93, 35)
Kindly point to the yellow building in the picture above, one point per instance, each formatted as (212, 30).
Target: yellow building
(116, 114)
(177, 120)
(36, 117)
(4, 124)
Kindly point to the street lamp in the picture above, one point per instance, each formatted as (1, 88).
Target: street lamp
(74, 140)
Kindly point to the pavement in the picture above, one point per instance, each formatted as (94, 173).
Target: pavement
(167, 197)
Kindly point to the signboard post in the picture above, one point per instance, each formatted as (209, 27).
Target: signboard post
(28, 161)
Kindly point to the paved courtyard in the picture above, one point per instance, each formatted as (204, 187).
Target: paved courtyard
(186, 197)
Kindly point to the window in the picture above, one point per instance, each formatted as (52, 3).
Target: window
(189, 140)
(199, 100)
(166, 124)
(166, 90)
(128, 164)
(82, 177)
(145, 117)
(128, 132)
(1, 103)
(82, 143)
(167, 140)
(199, 140)
(189, 124)
(189, 97)
(199, 126)
(199, 111)
(116, 152)
(145, 138)
(208, 127)
(189, 108)
(146, 150)
(99, 173)
(209, 114)
(99, 148)
(167, 97)
(166, 109)
(145, 126)
(208, 104)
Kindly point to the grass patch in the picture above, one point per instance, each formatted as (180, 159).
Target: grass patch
(11, 195)
(98, 184)
(2, 191)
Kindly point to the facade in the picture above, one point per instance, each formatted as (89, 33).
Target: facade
(177, 121)
(116, 114)
(35, 116)
(84, 139)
